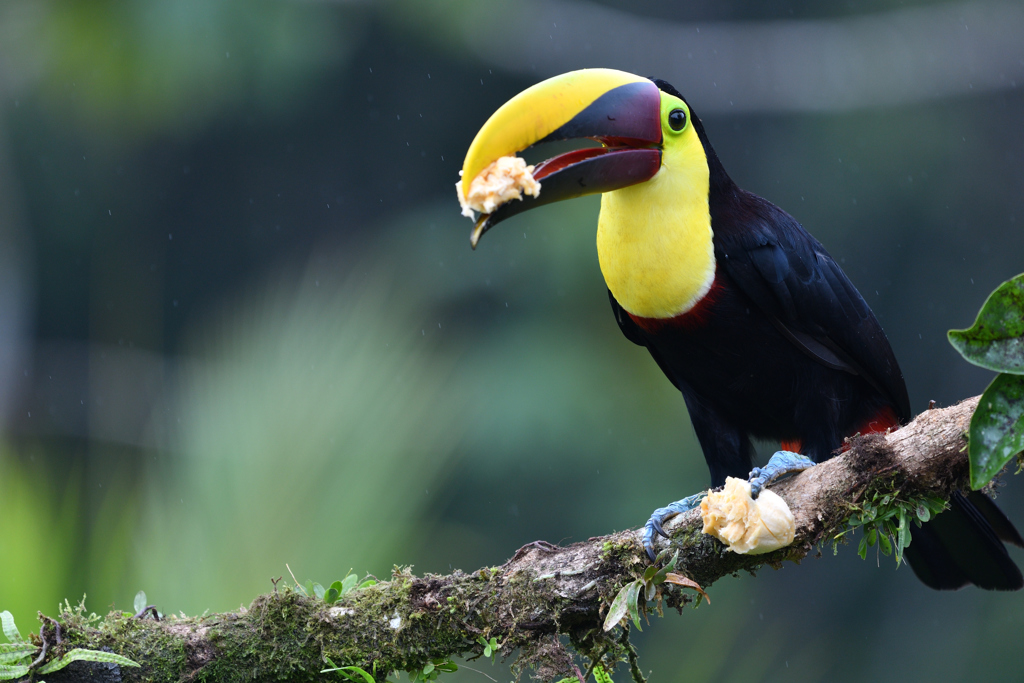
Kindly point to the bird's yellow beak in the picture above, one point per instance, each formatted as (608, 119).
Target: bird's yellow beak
(618, 109)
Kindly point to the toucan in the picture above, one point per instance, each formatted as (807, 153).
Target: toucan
(743, 310)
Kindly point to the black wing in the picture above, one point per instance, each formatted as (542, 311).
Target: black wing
(807, 296)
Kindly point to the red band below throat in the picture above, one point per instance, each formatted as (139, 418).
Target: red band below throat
(697, 316)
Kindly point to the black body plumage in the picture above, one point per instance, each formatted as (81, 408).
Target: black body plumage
(785, 347)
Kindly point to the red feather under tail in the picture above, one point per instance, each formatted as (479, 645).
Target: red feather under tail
(883, 421)
(792, 446)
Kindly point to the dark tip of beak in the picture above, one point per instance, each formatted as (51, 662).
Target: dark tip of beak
(479, 229)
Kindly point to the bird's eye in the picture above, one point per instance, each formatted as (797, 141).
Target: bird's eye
(677, 119)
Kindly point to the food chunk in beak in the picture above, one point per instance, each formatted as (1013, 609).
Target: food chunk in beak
(615, 108)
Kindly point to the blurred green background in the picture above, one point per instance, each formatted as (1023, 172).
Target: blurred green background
(241, 325)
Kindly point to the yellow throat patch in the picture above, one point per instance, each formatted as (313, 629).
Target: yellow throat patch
(654, 238)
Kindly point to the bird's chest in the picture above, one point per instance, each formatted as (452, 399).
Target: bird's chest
(657, 257)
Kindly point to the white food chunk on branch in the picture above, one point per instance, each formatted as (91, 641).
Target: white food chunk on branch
(746, 525)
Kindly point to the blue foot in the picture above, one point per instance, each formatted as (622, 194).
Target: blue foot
(661, 515)
(779, 465)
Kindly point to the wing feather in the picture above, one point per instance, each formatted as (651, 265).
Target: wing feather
(792, 278)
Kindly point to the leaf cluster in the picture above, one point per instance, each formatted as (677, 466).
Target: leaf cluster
(429, 672)
(600, 676)
(432, 670)
(885, 519)
(996, 342)
(336, 590)
(16, 656)
(491, 646)
(632, 598)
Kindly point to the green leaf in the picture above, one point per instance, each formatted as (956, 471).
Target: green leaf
(353, 673)
(8, 673)
(308, 590)
(922, 512)
(996, 340)
(367, 583)
(632, 598)
(672, 563)
(885, 544)
(80, 655)
(862, 547)
(10, 630)
(902, 537)
(619, 607)
(448, 666)
(350, 582)
(428, 668)
(997, 428)
(16, 647)
(332, 595)
(11, 653)
(319, 591)
(140, 601)
(659, 576)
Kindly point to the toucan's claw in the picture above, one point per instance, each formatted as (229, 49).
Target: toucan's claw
(781, 464)
(661, 515)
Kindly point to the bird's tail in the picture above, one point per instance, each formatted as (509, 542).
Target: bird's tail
(965, 545)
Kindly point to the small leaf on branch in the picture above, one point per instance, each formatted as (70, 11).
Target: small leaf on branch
(348, 584)
(997, 428)
(619, 607)
(140, 602)
(996, 340)
(8, 673)
(600, 675)
(10, 630)
(680, 580)
(632, 597)
(80, 655)
(12, 653)
(885, 544)
(922, 512)
(902, 536)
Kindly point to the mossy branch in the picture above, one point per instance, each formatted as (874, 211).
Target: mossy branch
(540, 600)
